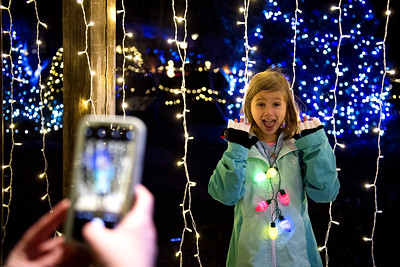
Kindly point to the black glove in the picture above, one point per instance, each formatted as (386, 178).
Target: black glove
(239, 137)
(308, 127)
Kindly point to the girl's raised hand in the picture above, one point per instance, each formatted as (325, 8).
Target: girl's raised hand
(308, 126)
(239, 125)
(238, 132)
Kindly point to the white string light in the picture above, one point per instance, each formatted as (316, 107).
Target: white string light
(43, 175)
(246, 60)
(294, 40)
(337, 72)
(379, 132)
(187, 198)
(9, 188)
(86, 53)
(124, 105)
(333, 121)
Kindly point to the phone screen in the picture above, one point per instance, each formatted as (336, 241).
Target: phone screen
(103, 175)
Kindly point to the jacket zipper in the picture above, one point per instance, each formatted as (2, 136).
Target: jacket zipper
(273, 251)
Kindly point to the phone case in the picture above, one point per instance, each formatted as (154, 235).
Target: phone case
(108, 163)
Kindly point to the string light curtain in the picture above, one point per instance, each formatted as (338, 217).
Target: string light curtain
(126, 34)
(332, 119)
(186, 204)
(88, 59)
(379, 131)
(43, 130)
(8, 188)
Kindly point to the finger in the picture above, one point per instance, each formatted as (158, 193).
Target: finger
(46, 225)
(96, 235)
(52, 253)
(144, 205)
(305, 118)
(53, 258)
(236, 120)
(50, 244)
(241, 120)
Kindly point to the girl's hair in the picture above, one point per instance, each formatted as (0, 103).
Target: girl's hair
(273, 79)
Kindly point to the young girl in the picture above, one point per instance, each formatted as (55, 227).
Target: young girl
(269, 176)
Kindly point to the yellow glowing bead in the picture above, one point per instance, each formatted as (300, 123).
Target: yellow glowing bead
(271, 173)
(273, 231)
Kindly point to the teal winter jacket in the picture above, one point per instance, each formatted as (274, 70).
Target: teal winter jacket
(307, 167)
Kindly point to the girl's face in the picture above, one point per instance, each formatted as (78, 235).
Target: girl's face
(268, 109)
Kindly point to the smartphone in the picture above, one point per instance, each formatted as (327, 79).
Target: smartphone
(108, 163)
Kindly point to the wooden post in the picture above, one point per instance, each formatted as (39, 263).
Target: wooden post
(77, 89)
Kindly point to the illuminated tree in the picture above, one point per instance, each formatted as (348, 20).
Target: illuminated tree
(53, 96)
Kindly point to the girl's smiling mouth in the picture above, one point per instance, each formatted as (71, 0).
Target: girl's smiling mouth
(269, 123)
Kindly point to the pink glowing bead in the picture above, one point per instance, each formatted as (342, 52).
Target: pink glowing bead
(283, 197)
(263, 205)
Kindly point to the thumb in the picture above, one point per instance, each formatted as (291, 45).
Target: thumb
(97, 236)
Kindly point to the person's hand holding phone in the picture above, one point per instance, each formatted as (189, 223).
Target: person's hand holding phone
(132, 242)
(39, 246)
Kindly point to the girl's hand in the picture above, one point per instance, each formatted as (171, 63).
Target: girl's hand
(238, 132)
(308, 126)
(239, 125)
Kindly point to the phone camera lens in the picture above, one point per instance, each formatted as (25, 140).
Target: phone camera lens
(101, 133)
(88, 132)
(130, 135)
(115, 134)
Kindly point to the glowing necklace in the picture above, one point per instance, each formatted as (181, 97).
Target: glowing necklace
(278, 196)
(272, 170)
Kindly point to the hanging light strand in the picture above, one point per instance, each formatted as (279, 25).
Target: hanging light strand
(9, 188)
(86, 53)
(247, 62)
(246, 4)
(43, 175)
(379, 131)
(333, 121)
(337, 74)
(187, 198)
(294, 40)
(125, 57)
